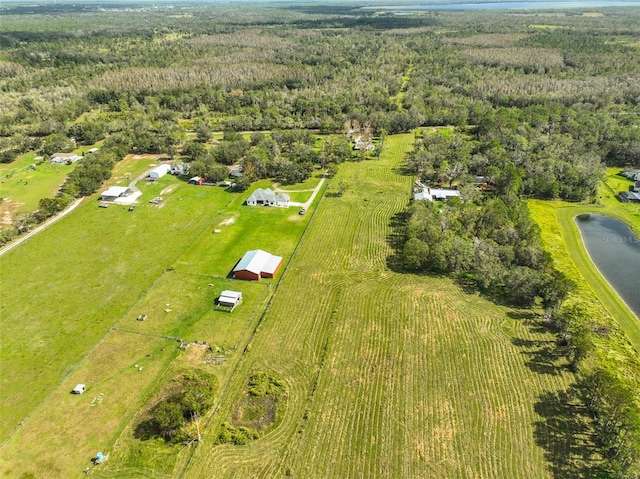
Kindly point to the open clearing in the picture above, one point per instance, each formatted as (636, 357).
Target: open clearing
(388, 375)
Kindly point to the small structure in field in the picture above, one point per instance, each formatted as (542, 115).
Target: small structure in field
(257, 264)
(266, 197)
(228, 300)
(159, 171)
(79, 389)
(196, 180)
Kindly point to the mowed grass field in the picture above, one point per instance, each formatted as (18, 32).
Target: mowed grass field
(393, 375)
(387, 374)
(71, 296)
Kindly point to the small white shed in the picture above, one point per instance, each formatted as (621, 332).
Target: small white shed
(159, 171)
(79, 389)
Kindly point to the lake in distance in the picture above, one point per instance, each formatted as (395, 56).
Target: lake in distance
(615, 250)
(512, 5)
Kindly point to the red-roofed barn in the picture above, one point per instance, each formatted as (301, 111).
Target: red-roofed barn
(256, 264)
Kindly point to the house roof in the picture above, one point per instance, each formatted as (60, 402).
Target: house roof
(633, 196)
(267, 195)
(258, 261)
(160, 169)
(435, 194)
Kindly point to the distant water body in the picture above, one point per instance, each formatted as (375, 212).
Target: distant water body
(512, 5)
(615, 250)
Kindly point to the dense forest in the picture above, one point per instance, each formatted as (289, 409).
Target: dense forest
(534, 103)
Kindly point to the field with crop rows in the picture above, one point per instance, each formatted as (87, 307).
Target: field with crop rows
(393, 375)
(387, 374)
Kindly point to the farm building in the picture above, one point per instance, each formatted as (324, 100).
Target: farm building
(629, 197)
(266, 197)
(256, 264)
(196, 180)
(63, 158)
(115, 192)
(229, 299)
(159, 171)
(434, 194)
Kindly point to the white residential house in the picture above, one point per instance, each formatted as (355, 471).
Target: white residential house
(631, 174)
(266, 197)
(435, 194)
(64, 158)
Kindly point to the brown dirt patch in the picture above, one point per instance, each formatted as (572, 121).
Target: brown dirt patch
(7, 209)
(168, 189)
(195, 353)
(228, 221)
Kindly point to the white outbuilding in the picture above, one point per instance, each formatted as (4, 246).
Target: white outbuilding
(229, 299)
(115, 192)
(159, 171)
(79, 389)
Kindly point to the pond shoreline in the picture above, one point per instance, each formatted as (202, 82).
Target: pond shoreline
(598, 248)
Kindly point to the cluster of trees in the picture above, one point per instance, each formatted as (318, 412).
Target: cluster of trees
(542, 160)
(491, 242)
(175, 417)
(607, 376)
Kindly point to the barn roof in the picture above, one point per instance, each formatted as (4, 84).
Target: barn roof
(258, 261)
(115, 191)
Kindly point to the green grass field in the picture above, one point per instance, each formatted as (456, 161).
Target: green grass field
(23, 191)
(22, 188)
(66, 287)
(393, 375)
(388, 374)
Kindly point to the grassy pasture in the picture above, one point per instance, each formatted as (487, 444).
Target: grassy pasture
(393, 375)
(66, 287)
(24, 189)
(388, 374)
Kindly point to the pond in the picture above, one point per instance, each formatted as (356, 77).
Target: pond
(615, 250)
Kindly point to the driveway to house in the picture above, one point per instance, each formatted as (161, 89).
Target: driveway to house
(44, 225)
(307, 203)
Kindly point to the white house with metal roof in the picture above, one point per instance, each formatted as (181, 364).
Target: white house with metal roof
(266, 197)
(435, 194)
